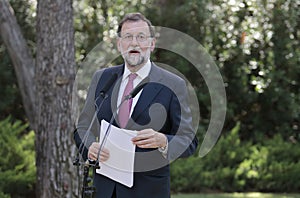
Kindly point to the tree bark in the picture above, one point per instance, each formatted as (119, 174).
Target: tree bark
(47, 91)
(55, 74)
(21, 57)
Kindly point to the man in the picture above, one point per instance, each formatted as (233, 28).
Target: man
(159, 113)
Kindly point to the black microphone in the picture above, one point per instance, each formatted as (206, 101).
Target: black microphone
(108, 84)
(138, 88)
(131, 95)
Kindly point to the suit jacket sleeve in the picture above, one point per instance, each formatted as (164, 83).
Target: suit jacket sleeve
(84, 138)
(184, 142)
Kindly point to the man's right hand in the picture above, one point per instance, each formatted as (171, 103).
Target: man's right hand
(93, 152)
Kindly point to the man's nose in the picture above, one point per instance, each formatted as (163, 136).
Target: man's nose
(134, 41)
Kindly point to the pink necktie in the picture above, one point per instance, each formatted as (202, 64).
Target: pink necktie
(124, 110)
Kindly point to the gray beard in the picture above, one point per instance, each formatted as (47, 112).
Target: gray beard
(134, 63)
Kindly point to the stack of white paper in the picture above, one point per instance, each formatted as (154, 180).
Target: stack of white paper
(120, 165)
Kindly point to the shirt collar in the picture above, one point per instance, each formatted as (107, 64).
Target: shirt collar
(141, 73)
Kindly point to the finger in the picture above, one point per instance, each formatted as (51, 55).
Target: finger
(104, 155)
(142, 136)
(137, 139)
(93, 151)
(143, 141)
(105, 150)
(95, 145)
(92, 156)
(146, 132)
(147, 145)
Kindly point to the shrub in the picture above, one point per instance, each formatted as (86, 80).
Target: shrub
(17, 162)
(271, 165)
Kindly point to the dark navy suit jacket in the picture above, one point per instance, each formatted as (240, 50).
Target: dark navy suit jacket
(162, 106)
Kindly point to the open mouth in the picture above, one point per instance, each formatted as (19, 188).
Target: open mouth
(134, 52)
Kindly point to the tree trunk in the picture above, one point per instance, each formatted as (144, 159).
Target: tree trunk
(55, 74)
(21, 57)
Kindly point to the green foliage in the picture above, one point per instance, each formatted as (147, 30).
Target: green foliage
(234, 165)
(96, 21)
(3, 195)
(17, 162)
(254, 43)
(256, 46)
(10, 97)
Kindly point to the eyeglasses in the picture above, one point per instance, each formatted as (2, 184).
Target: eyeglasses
(139, 37)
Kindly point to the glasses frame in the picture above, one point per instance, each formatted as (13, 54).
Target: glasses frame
(129, 38)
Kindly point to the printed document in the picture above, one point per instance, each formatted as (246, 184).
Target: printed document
(120, 165)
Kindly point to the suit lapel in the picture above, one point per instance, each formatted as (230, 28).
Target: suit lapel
(115, 91)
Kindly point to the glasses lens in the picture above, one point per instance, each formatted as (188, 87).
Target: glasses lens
(128, 38)
(139, 38)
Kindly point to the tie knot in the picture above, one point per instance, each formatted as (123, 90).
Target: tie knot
(132, 76)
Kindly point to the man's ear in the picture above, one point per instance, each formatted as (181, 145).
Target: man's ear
(119, 44)
(152, 45)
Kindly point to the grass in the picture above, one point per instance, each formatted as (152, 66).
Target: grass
(237, 195)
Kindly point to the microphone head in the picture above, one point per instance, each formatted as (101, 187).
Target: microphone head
(140, 86)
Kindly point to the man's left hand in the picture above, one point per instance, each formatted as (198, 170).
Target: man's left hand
(148, 138)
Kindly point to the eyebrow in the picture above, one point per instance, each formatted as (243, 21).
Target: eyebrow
(137, 34)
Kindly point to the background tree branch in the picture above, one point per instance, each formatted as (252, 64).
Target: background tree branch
(21, 57)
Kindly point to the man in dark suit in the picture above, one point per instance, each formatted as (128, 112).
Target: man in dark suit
(159, 113)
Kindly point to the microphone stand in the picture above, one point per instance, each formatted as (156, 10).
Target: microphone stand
(87, 190)
(90, 191)
(108, 128)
